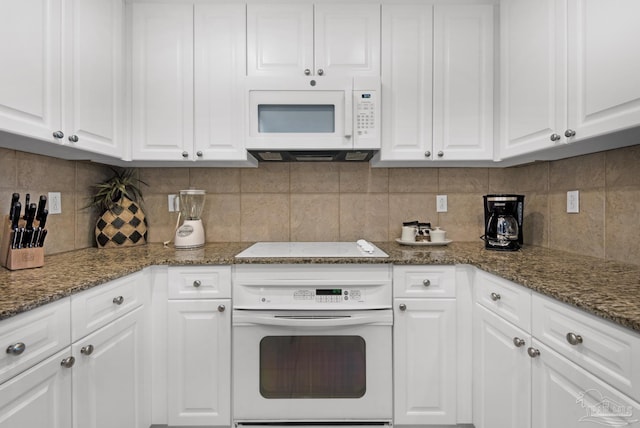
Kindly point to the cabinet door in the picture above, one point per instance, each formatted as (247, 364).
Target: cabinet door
(220, 64)
(407, 58)
(347, 39)
(424, 354)
(199, 381)
(38, 397)
(92, 72)
(501, 373)
(109, 376)
(279, 39)
(564, 395)
(162, 81)
(30, 72)
(463, 82)
(533, 79)
(603, 70)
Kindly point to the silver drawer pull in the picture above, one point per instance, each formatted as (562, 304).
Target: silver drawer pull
(68, 362)
(221, 308)
(518, 342)
(495, 297)
(87, 350)
(197, 283)
(426, 282)
(16, 348)
(533, 352)
(118, 300)
(574, 339)
(402, 307)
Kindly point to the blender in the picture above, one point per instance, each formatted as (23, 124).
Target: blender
(191, 233)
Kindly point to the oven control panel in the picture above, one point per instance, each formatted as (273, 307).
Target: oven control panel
(328, 295)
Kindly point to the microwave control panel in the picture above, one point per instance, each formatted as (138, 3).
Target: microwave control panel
(367, 123)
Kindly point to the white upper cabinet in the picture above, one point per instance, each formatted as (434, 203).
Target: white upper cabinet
(93, 75)
(220, 64)
(289, 39)
(407, 67)
(603, 67)
(30, 74)
(533, 94)
(437, 79)
(567, 72)
(463, 82)
(188, 82)
(162, 81)
(63, 80)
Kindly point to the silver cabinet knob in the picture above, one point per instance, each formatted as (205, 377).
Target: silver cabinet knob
(569, 133)
(574, 339)
(185, 154)
(197, 283)
(427, 154)
(495, 297)
(118, 300)
(307, 71)
(426, 282)
(440, 154)
(402, 307)
(533, 352)
(199, 153)
(73, 138)
(58, 134)
(87, 350)
(518, 342)
(555, 137)
(16, 348)
(68, 362)
(320, 72)
(221, 308)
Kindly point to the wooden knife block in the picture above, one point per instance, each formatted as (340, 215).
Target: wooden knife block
(15, 259)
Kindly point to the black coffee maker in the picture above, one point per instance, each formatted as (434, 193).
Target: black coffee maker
(503, 216)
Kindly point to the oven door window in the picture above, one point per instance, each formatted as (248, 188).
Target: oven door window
(296, 118)
(312, 367)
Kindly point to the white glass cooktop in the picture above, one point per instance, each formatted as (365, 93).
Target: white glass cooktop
(312, 249)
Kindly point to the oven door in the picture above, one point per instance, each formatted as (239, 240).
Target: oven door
(312, 365)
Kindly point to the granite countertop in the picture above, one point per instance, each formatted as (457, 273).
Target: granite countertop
(610, 290)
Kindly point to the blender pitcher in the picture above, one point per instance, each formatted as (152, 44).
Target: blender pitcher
(191, 233)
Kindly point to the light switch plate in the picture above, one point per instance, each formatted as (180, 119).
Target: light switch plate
(573, 201)
(174, 203)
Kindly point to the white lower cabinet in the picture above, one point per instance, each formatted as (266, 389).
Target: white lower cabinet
(501, 372)
(424, 345)
(108, 375)
(199, 358)
(39, 396)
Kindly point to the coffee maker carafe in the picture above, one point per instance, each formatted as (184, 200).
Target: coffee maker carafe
(503, 215)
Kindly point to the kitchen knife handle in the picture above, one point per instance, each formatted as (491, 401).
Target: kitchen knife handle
(43, 218)
(15, 216)
(41, 204)
(14, 198)
(26, 204)
(41, 238)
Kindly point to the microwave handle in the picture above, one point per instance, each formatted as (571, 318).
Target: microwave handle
(348, 113)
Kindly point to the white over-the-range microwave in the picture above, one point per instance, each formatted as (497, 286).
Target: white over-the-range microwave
(313, 115)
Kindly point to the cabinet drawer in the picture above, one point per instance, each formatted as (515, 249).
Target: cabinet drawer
(601, 347)
(424, 281)
(510, 301)
(34, 336)
(200, 282)
(99, 306)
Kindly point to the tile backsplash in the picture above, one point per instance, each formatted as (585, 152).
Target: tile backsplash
(342, 201)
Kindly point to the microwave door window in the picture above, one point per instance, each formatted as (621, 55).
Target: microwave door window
(312, 367)
(296, 118)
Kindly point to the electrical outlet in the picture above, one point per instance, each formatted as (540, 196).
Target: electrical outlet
(55, 203)
(441, 203)
(174, 203)
(573, 201)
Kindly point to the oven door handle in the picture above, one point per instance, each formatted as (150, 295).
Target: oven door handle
(315, 320)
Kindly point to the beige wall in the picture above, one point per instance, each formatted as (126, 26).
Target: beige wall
(339, 201)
